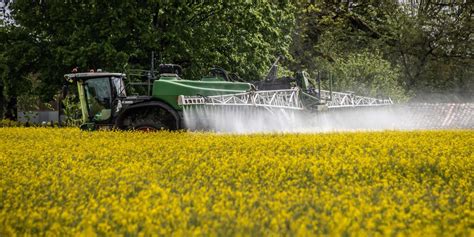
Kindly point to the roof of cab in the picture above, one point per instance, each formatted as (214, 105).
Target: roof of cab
(93, 74)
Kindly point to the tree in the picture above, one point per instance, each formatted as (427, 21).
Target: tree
(368, 74)
(115, 36)
(430, 41)
(18, 58)
(434, 45)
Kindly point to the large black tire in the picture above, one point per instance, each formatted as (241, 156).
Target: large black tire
(149, 117)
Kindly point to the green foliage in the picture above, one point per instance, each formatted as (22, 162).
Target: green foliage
(52, 37)
(434, 46)
(5, 123)
(18, 58)
(429, 44)
(367, 74)
(238, 35)
(30, 99)
(72, 110)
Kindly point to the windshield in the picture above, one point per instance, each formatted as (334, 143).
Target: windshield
(98, 98)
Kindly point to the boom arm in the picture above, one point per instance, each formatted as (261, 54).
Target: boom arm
(283, 99)
(341, 99)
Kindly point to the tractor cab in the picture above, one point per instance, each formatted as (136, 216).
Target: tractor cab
(100, 95)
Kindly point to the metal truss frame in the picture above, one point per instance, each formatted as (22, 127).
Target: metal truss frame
(282, 99)
(341, 99)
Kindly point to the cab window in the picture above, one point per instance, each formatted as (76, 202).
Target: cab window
(99, 98)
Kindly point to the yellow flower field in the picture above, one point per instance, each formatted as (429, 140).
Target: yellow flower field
(59, 182)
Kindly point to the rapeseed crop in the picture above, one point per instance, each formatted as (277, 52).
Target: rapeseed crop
(58, 182)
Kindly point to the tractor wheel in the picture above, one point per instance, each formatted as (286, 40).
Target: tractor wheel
(150, 119)
(148, 127)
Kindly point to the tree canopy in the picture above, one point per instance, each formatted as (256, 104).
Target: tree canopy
(430, 42)
(418, 47)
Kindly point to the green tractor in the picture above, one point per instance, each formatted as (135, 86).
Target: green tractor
(107, 103)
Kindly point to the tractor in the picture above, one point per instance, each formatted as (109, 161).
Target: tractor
(107, 103)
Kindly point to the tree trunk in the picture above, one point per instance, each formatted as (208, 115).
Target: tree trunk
(2, 102)
(11, 110)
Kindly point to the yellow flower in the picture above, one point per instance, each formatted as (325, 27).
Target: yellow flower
(67, 182)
